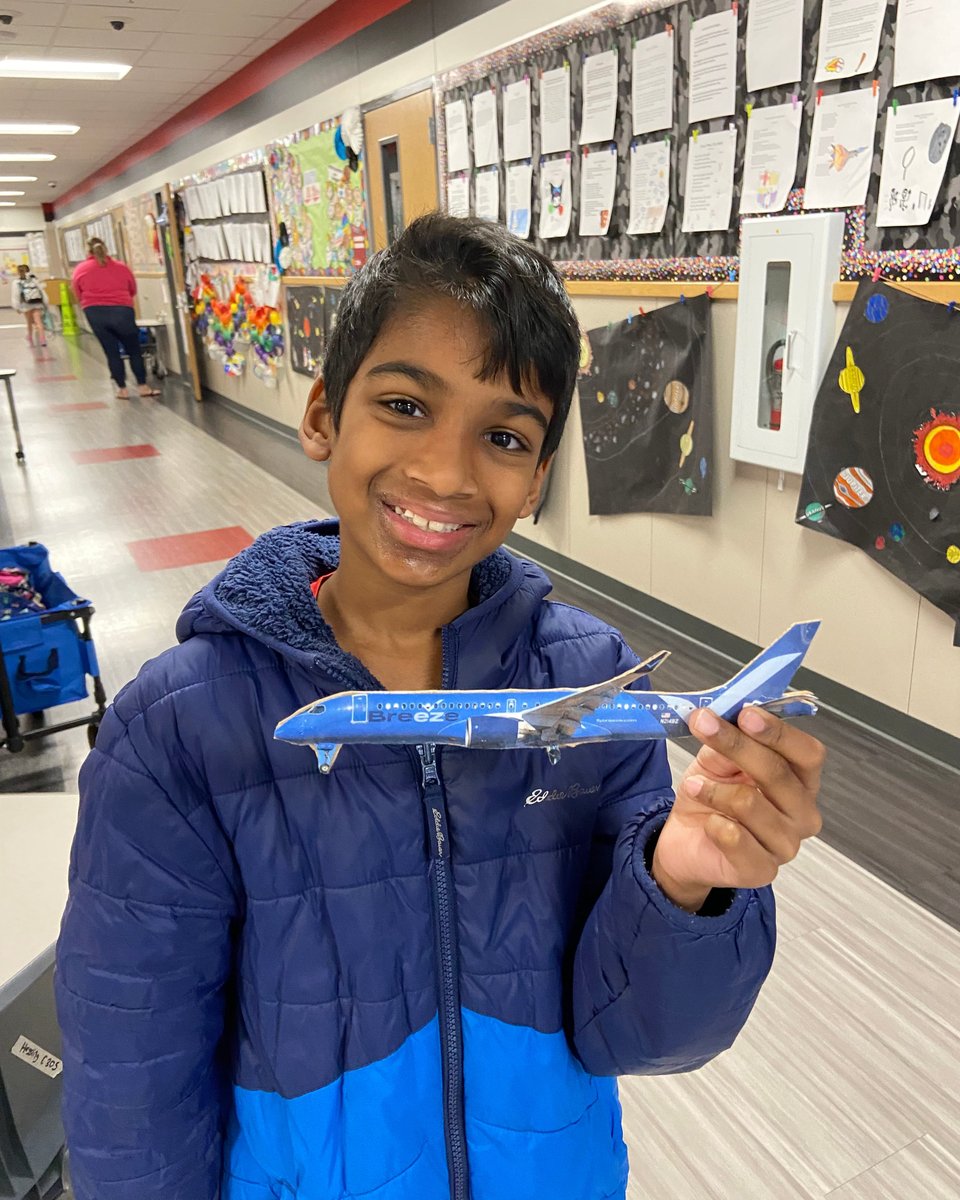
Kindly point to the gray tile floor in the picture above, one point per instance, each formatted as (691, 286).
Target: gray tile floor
(846, 1081)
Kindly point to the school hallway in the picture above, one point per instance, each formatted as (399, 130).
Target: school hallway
(845, 1082)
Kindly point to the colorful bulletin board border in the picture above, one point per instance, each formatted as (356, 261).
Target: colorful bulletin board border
(926, 253)
(320, 201)
(228, 166)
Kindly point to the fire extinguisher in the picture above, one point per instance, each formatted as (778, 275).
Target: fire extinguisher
(773, 379)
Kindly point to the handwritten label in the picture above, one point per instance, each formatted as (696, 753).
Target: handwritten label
(37, 1057)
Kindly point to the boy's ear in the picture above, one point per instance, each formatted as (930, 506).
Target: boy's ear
(317, 434)
(536, 488)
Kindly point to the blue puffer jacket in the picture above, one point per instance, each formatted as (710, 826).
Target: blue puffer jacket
(378, 984)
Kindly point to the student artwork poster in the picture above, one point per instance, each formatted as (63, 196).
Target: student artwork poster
(917, 140)
(841, 149)
(652, 83)
(882, 470)
(555, 110)
(928, 41)
(713, 67)
(646, 410)
(321, 202)
(555, 197)
(486, 191)
(305, 327)
(708, 184)
(519, 192)
(770, 162)
(774, 43)
(649, 186)
(598, 186)
(849, 37)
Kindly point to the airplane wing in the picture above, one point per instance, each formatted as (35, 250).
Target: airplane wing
(560, 718)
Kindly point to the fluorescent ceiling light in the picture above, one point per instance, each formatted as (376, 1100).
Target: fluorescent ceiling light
(27, 157)
(50, 68)
(35, 128)
(8, 204)
(18, 179)
(13, 193)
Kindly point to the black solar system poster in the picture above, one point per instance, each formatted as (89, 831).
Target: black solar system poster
(883, 460)
(646, 406)
(305, 327)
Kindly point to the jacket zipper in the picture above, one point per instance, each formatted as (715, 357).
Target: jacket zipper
(451, 1033)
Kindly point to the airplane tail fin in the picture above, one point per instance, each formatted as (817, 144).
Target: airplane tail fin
(766, 677)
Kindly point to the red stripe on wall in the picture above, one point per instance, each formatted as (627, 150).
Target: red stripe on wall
(322, 32)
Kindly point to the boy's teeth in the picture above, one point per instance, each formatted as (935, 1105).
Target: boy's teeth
(423, 523)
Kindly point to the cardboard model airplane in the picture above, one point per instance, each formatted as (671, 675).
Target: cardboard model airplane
(550, 719)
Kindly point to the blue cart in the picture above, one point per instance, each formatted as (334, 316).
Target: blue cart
(46, 656)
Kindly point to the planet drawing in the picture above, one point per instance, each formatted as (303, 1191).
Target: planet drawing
(936, 448)
(853, 487)
(940, 139)
(877, 309)
(676, 396)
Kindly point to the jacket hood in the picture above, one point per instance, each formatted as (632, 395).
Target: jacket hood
(264, 593)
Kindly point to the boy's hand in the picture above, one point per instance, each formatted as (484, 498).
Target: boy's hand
(743, 806)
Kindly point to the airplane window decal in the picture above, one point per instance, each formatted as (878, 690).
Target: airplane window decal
(550, 719)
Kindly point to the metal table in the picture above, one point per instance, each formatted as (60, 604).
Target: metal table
(7, 374)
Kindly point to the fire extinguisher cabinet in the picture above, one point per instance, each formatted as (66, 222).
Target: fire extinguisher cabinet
(785, 334)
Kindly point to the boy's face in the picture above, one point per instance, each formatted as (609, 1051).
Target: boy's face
(420, 433)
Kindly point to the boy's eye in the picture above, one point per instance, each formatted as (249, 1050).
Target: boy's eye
(403, 406)
(504, 440)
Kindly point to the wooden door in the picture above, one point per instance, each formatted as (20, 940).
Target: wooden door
(173, 259)
(401, 162)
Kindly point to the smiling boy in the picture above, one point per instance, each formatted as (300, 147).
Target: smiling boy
(405, 980)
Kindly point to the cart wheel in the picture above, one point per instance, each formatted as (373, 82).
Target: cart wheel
(92, 730)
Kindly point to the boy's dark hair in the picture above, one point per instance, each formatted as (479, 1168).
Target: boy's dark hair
(514, 291)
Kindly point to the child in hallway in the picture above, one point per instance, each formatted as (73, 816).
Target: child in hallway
(27, 298)
(402, 980)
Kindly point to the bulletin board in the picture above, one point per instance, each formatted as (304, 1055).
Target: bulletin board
(929, 252)
(320, 200)
(141, 233)
(74, 238)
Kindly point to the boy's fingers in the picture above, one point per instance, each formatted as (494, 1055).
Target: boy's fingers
(714, 763)
(776, 755)
(751, 865)
(747, 805)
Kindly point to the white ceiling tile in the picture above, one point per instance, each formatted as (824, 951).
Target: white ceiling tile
(116, 49)
(310, 8)
(212, 24)
(145, 72)
(45, 11)
(28, 49)
(185, 62)
(190, 43)
(153, 18)
(21, 37)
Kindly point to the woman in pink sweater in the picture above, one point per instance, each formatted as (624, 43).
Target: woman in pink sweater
(105, 288)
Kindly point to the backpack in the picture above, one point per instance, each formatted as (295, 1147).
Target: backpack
(30, 291)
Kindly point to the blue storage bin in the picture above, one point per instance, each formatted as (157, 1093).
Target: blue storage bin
(46, 660)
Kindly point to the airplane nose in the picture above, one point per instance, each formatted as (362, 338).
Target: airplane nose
(294, 728)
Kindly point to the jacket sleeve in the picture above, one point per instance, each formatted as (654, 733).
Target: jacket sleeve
(656, 989)
(142, 961)
(76, 283)
(131, 282)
